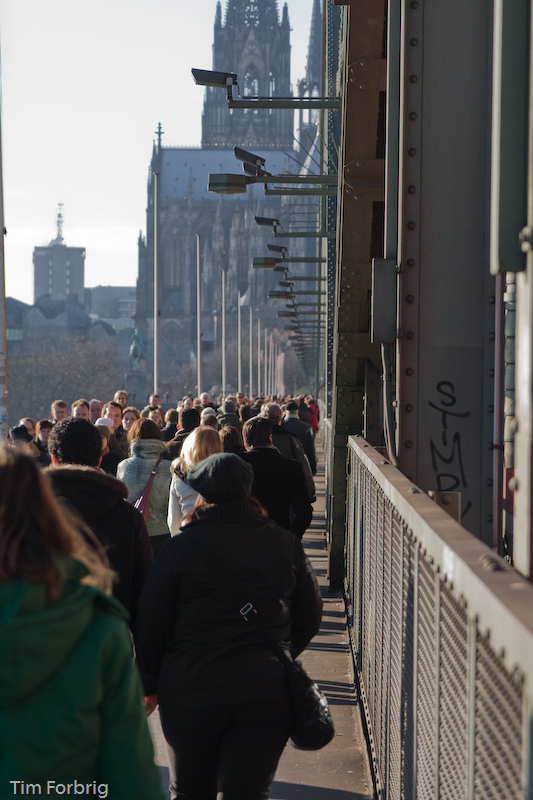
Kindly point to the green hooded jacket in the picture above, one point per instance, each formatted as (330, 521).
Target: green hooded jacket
(70, 696)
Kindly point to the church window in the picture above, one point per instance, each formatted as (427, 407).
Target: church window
(251, 14)
(251, 88)
(171, 260)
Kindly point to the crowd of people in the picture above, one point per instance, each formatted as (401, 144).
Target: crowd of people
(160, 511)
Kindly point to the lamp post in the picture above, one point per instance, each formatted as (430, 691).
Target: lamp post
(223, 332)
(281, 234)
(250, 390)
(239, 348)
(198, 318)
(157, 292)
(227, 80)
(259, 358)
(230, 183)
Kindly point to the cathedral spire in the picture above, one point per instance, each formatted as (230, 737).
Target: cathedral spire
(314, 60)
(59, 223)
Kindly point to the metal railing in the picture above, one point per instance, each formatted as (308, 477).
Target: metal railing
(442, 638)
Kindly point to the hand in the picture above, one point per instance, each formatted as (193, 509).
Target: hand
(150, 703)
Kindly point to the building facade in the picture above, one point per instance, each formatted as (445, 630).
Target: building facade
(253, 40)
(58, 270)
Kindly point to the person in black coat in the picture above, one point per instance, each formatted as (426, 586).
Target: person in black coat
(279, 482)
(222, 693)
(75, 446)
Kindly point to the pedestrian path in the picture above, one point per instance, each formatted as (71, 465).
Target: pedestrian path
(340, 771)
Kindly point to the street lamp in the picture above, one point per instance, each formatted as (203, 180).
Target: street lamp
(227, 80)
(229, 183)
(270, 222)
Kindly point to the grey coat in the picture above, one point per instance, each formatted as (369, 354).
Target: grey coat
(135, 471)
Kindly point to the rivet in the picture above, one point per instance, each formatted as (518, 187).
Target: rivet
(408, 444)
(409, 298)
(409, 371)
(413, 78)
(411, 189)
(412, 151)
(414, 4)
(414, 42)
(491, 373)
(489, 517)
(492, 336)
(409, 335)
(408, 408)
(489, 481)
(490, 409)
(411, 262)
(411, 225)
(413, 115)
(492, 300)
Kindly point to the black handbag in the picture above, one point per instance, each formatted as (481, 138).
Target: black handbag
(313, 726)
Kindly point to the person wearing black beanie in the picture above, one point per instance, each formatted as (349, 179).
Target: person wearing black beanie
(223, 697)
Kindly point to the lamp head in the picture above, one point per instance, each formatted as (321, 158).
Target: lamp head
(251, 164)
(228, 184)
(278, 248)
(263, 263)
(220, 80)
(268, 221)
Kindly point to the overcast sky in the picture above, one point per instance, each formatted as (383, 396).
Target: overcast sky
(84, 85)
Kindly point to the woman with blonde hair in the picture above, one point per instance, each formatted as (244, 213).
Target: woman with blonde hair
(199, 444)
(70, 697)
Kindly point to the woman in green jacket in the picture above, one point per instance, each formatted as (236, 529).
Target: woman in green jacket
(71, 711)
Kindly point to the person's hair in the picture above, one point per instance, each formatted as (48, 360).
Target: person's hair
(27, 419)
(232, 399)
(245, 412)
(133, 410)
(256, 432)
(113, 404)
(75, 441)
(171, 416)
(121, 391)
(200, 443)
(43, 423)
(81, 402)
(59, 404)
(210, 421)
(144, 428)
(272, 412)
(231, 439)
(189, 418)
(33, 528)
(200, 503)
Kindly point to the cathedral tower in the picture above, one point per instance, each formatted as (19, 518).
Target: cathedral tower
(255, 44)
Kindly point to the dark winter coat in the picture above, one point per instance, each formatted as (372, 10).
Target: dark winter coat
(279, 486)
(101, 502)
(193, 647)
(70, 696)
(304, 433)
